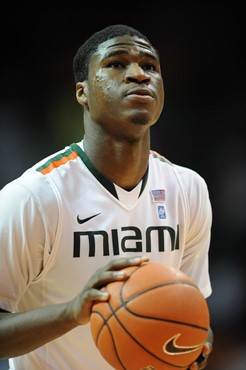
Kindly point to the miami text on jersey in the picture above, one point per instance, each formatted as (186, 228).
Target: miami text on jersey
(88, 239)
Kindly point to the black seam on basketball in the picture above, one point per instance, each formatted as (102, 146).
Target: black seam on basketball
(104, 323)
(174, 282)
(104, 320)
(140, 345)
(112, 337)
(124, 304)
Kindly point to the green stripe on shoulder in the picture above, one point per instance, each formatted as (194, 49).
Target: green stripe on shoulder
(56, 158)
(160, 157)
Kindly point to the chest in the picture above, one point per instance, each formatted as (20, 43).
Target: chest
(95, 227)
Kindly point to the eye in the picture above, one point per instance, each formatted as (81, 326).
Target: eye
(149, 67)
(116, 65)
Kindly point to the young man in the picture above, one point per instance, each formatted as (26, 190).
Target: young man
(73, 221)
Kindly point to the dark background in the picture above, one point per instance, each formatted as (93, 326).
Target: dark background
(201, 127)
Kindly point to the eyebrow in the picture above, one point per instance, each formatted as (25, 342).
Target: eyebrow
(122, 51)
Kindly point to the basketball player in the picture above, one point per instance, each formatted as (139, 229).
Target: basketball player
(73, 221)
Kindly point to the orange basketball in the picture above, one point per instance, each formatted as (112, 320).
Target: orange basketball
(157, 318)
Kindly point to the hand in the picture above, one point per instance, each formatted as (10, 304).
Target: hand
(79, 309)
(202, 360)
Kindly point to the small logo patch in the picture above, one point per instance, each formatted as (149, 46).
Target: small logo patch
(80, 221)
(158, 195)
(162, 212)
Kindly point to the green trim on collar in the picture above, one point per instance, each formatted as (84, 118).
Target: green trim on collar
(144, 181)
(103, 180)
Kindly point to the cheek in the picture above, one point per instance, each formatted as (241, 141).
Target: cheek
(161, 94)
(161, 88)
(99, 98)
(106, 86)
(104, 93)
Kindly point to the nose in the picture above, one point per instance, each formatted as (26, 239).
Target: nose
(134, 73)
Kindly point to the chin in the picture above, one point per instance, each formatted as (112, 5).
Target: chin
(140, 119)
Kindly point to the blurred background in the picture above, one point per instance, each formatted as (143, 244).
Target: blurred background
(201, 46)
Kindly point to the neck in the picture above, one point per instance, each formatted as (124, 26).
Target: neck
(122, 161)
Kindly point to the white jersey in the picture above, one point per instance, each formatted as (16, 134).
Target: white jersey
(62, 220)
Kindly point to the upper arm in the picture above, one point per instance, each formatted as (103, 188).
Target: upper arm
(196, 253)
(22, 239)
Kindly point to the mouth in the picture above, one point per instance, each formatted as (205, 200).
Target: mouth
(140, 96)
(140, 92)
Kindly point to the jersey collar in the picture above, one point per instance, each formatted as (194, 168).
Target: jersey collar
(103, 180)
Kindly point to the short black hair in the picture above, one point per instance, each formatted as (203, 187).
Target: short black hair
(82, 57)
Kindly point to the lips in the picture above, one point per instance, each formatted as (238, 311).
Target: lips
(140, 92)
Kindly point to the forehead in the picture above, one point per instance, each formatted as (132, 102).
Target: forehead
(125, 43)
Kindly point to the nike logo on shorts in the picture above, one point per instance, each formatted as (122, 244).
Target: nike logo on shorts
(82, 221)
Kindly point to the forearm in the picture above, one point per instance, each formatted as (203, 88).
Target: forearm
(21, 333)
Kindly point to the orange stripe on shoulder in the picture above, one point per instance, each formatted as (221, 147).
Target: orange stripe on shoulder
(56, 164)
(155, 153)
(160, 157)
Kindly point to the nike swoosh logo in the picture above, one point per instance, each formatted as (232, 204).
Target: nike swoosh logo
(172, 348)
(86, 219)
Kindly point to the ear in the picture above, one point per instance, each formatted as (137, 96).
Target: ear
(81, 93)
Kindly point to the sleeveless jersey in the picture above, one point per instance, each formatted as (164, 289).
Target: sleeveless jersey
(62, 220)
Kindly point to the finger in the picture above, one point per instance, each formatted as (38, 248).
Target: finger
(95, 295)
(82, 304)
(207, 349)
(125, 262)
(105, 277)
(200, 364)
(194, 366)
(203, 362)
